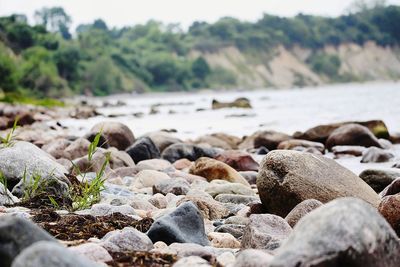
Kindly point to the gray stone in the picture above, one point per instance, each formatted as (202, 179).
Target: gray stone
(288, 177)
(234, 229)
(301, 210)
(265, 231)
(379, 179)
(176, 186)
(126, 240)
(376, 155)
(183, 225)
(49, 254)
(208, 207)
(6, 198)
(236, 199)
(253, 258)
(344, 232)
(143, 149)
(188, 151)
(215, 189)
(192, 261)
(16, 234)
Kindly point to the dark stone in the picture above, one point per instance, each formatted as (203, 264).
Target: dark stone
(301, 210)
(102, 140)
(143, 149)
(391, 189)
(176, 186)
(344, 232)
(352, 135)
(49, 254)
(16, 234)
(379, 179)
(183, 225)
(187, 151)
(234, 229)
(270, 139)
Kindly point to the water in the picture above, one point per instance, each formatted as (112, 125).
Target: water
(284, 110)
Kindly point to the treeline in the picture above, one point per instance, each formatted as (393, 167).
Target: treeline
(48, 60)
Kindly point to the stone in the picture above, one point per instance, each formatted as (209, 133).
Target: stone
(379, 179)
(352, 135)
(92, 251)
(390, 210)
(234, 229)
(102, 209)
(16, 234)
(229, 188)
(270, 139)
(236, 199)
(176, 186)
(265, 231)
(250, 176)
(25, 159)
(237, 220)
(240, 102)
(344, 232)
(77, 149)
(126, 240)
(6, 198)
(183, 225)
(143, 149)
(163, 139)
(301, 210)
(293, 143)
(391, 189)
(49, 254)
(376, 155)
(212, 169)
(192, 261)
(253, 258)
(212, 141)
(340, 151)
(182, 164)
(188, 151)
(117, 134)
(158, 200)
(56, 148)
(288, 177)
(231, 140)
(223, 240)
(149, 178)
(209, 208)
(190, 249)
(156, 165)
(239, 160)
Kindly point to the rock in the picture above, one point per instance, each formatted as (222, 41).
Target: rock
(6, 198)
(177, 187)
(223, 240)
(270, 139)
(212, 169)
(163, 139)
(56, 148)
(344, 232)
(126, 240)
(77, 149)
(250, 176)
(117, 134)
(379, 179)
(190, 249)
(209, 208)
(156, 165)
(291, 144)
(159, 201)
(301, 210)
(212, 141)
(16, 234)
(149, 178)
(190, 152)
(226, 258)
(352, 135)
(374, 154)
(237, 220)
(233, 229)
(183, 225)
(265, 231)
(143, 149)
(391, 189)
(229, 188)
(390, 210)
(25, 158)
(231, 140)
(253, 258)
(239, 160)
(356, 151)
(241, 102)
(49, 254)
(192, 261)
(321, 133)
(236, 199)
(288, 177)
(102, 209)
(92, 251)
(102, 139)
(182, 164)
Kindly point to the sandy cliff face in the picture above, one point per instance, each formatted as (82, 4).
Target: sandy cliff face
(283, 68)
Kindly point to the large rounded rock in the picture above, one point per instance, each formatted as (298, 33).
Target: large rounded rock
(49, 254)
(265, 231)
(390, 209)
(379, 179)
(143, 149)
(183, 225)
(239, 160)
(117, 134)
(187, 151)
(16, 234)
(212, 169)
(344, 232)
(24, 159)
(288, 177)
(352, 135)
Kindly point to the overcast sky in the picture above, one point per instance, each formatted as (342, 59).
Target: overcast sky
(129, 12)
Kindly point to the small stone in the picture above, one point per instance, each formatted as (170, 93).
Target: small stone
(234, 229)
(177, 187)
(126, 240)
(92, 251)
(117, 134)
(301, 210)
(253, 258)
(160, 165)
(390, 209)
(143, 149)
(192, 261)
(209, 208)
(340, 151)
(215, 189)
(293, 143)
(190, 152)
(223, 240)
(239, 160)
(149, 178)
(182, 164)
(375, 155)
(236, 199)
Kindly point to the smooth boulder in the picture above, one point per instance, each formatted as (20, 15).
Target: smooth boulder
(116, 134)
(288, 177)
(379, 179)
(187, 151)
(239, 160)
(352, 135)
(143, 149)
(344, 232)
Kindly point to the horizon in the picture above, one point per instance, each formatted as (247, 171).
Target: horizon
(83, 13)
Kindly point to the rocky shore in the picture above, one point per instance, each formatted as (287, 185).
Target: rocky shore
(111, 198)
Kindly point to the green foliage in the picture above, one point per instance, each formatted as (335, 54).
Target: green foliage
(325, 64)
(8, 73)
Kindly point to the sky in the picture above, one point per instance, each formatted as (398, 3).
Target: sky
(119, 13)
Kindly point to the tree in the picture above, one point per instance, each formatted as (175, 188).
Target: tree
(200, 68)
(8, 79)
(54, 19)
